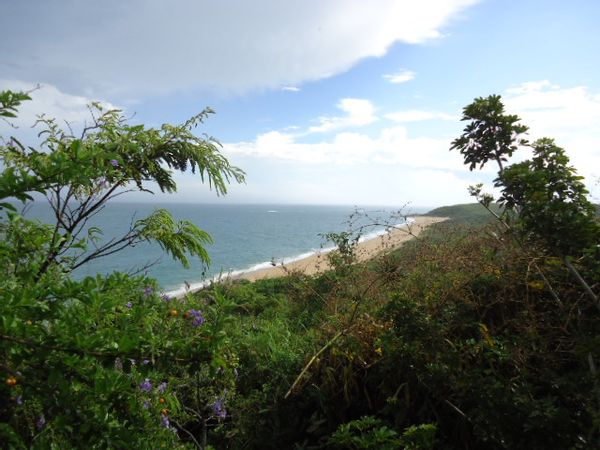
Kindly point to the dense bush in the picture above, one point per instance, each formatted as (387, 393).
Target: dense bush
(105, 362)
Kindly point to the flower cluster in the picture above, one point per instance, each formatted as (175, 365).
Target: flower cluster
(219, 408)
(146, 385)
(162, 387)
(197, 316)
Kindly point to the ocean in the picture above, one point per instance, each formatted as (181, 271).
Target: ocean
(246, 237)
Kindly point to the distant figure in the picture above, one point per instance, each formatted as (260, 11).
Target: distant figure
(187, 285)
(273, 263)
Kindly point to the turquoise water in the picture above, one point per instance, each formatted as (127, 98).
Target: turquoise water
(247, 237)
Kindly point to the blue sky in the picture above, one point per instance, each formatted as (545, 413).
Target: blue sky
(330, 102)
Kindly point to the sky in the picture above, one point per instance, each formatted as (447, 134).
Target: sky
(319, 102)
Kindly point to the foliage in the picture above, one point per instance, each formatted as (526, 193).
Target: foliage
(543, 196)
(107, 361)
(371, 433)
(467, 337)
(551, 199)
(365, 433)
(490, 134)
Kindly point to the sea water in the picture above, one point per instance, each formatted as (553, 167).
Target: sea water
(246, 237)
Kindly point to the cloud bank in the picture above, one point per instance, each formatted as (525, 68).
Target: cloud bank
(152, 46)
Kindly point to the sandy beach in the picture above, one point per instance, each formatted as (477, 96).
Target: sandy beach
(368, 249)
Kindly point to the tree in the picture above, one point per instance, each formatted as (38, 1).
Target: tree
(490, 134)
(104, 362)
(79, 175)
(544, 194)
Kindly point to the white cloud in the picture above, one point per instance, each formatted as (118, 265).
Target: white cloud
(392, 146)
(290, 89)
(418, 115)
(359, 112)
(402, 76)
(49, 101)
(149, 46)
(571, 115)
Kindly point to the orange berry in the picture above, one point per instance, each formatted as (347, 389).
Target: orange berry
(187, 315)
(11, 381)
(174, 313)
(164, 411)
(161, 400)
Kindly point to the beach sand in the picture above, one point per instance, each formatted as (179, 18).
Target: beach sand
(366, 250)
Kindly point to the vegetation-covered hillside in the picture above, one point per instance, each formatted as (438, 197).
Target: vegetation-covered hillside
(478, 334)
(473, 214)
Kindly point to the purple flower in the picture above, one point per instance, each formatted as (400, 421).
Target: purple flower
(146, 385)
(103, 183)
(40, 422)
(198, 318)
(166, 298)
(146, 404)
(145, 362)
(19, 400)
(129, 305)
(165, 421)
(148, 290)
(114, 162)
(219, 409)
(162, 387)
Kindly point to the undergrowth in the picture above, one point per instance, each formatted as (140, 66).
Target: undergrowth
(454, 331)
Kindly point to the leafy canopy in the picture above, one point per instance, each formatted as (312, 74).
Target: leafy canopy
(490, 134)
(106, 361)
(78, 175)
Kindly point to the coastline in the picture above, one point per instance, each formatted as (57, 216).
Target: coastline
(368, 249)
(317, 262)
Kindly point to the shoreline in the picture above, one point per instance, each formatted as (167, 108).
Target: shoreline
(317, 262)
(367, 249)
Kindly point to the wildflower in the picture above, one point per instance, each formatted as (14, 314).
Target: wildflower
(146, 385)
(103, 183)
(162, 387)
(114, 162)
(219, 409)
(145, 362)
(198, 318)
(165, 421)
(129, 305)
(19, 400)
(146, 404)
(148, 290)
(166, 298)
(40, 422)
